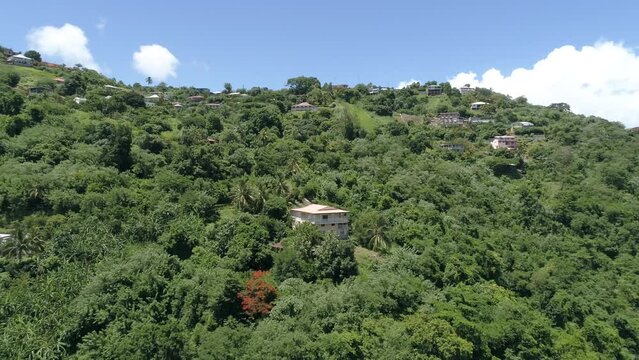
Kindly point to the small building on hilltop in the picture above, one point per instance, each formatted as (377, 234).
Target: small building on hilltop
(326, 218)
(477, 105)
(466, 89)
(196, 98)
(304, 106)
(20, 60)
(504, 142)
(434, 90)
(79, 100)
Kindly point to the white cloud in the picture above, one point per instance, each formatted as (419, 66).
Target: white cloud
(407, 83)
(155, 61)
(101, 24)
(67, 42)
(601, 80)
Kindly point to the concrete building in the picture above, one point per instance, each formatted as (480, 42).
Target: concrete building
(522, 124)
(452, 147)
(20, 59)
(448, 119)
(326, 218)
(196, 98)
(477, 105)
(303, 107)
(466, 89)
(434, 90)
(504, 142)
(78, 100)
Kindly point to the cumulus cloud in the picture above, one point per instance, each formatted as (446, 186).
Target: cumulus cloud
(155, 61)
(67, 42)
(600, 80)
(406, 83)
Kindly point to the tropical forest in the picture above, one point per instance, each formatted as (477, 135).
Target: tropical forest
(148, 221)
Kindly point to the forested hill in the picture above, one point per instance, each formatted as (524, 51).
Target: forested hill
(159, 227)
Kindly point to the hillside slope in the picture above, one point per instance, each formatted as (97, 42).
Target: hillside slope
(146, 230)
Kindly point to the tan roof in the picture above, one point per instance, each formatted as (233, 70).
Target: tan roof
(303, 104)
(319, 209)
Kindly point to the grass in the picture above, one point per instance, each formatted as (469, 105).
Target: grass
(366, 119)
(29, 77)
(366, 259)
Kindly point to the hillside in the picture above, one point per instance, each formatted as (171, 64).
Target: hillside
(159, 228)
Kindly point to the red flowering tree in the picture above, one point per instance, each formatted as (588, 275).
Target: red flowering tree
(258, 296)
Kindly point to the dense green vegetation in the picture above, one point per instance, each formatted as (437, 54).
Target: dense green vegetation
(146, 232)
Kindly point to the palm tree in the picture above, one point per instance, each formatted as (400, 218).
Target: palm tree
(21, 244)
(242, 195)
(378, 241)
(149, 81)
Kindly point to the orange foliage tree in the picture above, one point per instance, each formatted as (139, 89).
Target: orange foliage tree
(258, 296)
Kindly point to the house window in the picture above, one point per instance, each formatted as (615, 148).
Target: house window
(324, 217)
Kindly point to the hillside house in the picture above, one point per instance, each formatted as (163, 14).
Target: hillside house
(196, 98)
(452, 147)
(477, 121)
(434, 90)
(326, 218)
(504, 142)
(466, 89)
(4, 237)
(304, 106)
(37, 90)
(177, 105)
(214, 105)
(448, 119)
(20, 60)
(523, 124)
(477, 105)
(155, 98)
(58, 80)
(79, 100)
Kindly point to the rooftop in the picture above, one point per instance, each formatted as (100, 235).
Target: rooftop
(319, 209)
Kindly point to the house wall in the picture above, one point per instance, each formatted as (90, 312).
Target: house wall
(337, 223)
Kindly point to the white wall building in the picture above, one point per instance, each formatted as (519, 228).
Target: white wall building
(303, 107)
(326, 218)
(504, 142)
(20, 59)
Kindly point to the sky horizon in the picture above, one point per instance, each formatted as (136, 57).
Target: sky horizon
(583, 53)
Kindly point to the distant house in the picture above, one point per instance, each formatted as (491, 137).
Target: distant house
(234, 94)
(196, 98)
(448, 119)
(177, 105)
(504, 142)
(50, 65)
(326, 218)
(434, 90)
(452, 147)
(37, 90)
(152, 98)
(20, 60)
(58, 80)
(522, 124)
(476, 120)
(214, 105)
(111, 87)
(466, 89)
(304, 106)
(4, 237)
(79, 100)
(340, 86)
(477, 105)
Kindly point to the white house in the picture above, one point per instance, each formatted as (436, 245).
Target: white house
(303, 107)
(79, 100)
(477, 105)
(20, 59)
(326, 218)
(4, 237)
(152, 98)
(504, 142)
(523, 124)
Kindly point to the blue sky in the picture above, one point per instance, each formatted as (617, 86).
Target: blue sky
(259, 43)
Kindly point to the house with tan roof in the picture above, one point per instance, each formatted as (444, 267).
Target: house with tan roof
(326, 218)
